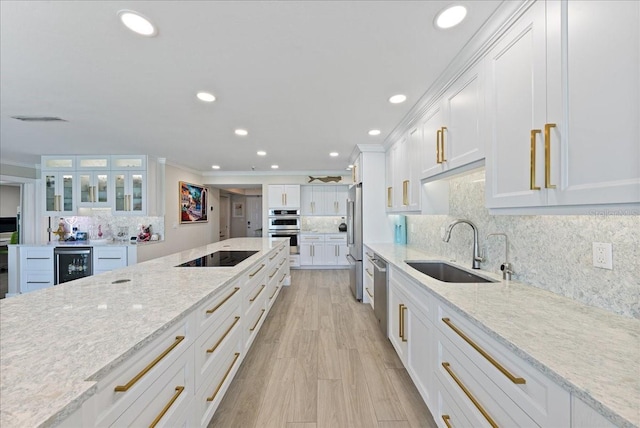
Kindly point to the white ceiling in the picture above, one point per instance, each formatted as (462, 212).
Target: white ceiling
(303, 77)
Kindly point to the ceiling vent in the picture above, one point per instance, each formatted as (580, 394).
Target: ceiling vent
(39, 118)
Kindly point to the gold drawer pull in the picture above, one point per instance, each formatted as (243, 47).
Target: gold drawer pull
(512, 378)
(212, 310)
(273, 257)
(404, 307)
(547, 156)
(282, 262)
(532, 172)
(401, 308)
(274, 293)
(209, 351)
(256, 324)
(179, 390)
(213, 397)
(446, 419)
(274, 273)
(369, 293)
(284, 275)
(258, 270)
(369, 273)
(469, 395)
(123, 388)
(259, 291)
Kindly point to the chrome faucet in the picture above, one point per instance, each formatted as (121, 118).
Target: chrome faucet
(476, 248)
(505, 267)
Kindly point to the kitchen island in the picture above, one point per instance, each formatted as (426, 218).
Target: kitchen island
(58, 346)
(584, 354)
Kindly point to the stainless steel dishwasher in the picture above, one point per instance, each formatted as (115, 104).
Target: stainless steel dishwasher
(380, 293)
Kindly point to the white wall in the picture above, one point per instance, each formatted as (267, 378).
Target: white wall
(179, 237)
(9, 200)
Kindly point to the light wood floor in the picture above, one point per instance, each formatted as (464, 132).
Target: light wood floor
(321, 361)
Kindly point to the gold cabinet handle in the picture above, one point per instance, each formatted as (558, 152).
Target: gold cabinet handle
(404, 307)
(532, 178)
(442, 159)
(258, 293)
(284, 275)
(281, 262)
(179, 390)
(504, 371)
(274, 273)
(438, 136)
(212, 310)
(446, 419)
(400, 306)
(273, 257)
(212, 349)
(475, 402)
(274, 293)
(123, 388)
(256, 324)
(369, 273)
(547, 156)
(258, 270)
(369, 293)
(224, 378)
(389, 189)
(405, 192)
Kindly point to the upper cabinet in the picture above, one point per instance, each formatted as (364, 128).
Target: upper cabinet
(116, 182)
(323, 200)
(563, 107)
(284, 196)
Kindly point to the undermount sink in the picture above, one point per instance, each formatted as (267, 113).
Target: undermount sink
(445, 272)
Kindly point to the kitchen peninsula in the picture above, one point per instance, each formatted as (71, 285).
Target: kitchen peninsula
(69, 354)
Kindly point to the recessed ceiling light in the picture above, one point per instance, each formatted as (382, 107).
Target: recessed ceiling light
(274, 167)
(206, 97)
(261, 153)
(350, 167)
(241, 132)
(137, 23)
(451, 16)
(374, 132)
(397, 99)
(215, 166)
(333, 154)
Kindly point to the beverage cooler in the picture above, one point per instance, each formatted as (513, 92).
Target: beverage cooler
(72, 263)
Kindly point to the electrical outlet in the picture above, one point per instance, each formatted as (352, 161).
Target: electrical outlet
(603, 255)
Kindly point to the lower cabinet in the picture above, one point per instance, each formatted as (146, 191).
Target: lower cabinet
(179, 379)
(466, 377)
(36, 268)
(323, 250)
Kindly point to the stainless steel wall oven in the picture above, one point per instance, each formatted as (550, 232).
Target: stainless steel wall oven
(286, 224)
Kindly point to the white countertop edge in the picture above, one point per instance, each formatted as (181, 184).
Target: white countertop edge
(571, 387)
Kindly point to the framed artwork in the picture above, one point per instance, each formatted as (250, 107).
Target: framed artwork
(238, 209)
(193, 203)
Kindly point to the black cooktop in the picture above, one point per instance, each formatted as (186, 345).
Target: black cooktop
(219, 258)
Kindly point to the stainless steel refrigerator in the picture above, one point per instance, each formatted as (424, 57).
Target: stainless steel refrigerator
(354, 239)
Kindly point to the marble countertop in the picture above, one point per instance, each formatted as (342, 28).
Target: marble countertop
(590, 352)
(56, 343)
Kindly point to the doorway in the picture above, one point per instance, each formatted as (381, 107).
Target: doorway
(240, 211)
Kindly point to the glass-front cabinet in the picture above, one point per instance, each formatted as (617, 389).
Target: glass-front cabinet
(93, 177)
(130, 192)
(59, 192)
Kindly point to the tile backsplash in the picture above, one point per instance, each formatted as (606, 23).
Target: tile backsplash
(546, 251)
(321, 224)
(111, 225)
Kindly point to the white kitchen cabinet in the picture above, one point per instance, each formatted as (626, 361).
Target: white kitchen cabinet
(108, 258)
(59, 193)
(36, 268)
(94, 188)
(558, 136)
(336, 250)
(335, 200)
(368, 294)
(388, 179)
(312, 250)
(584, 416)
(129, 192)
(431, 124)
(312, 200)
(284, 196)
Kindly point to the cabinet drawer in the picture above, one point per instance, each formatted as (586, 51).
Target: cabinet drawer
(106, 259)
(336, 239)
(253, 321)
(255, 294)
(210, 313)
(448, 413)
(480, 399)
(541, 398)
(33, 281)
(164, 402)
(209, 396)
(126, 384)
(212, 345)
(37, 259)
(311, 238)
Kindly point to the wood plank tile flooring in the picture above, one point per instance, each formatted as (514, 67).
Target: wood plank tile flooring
(321, 361)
